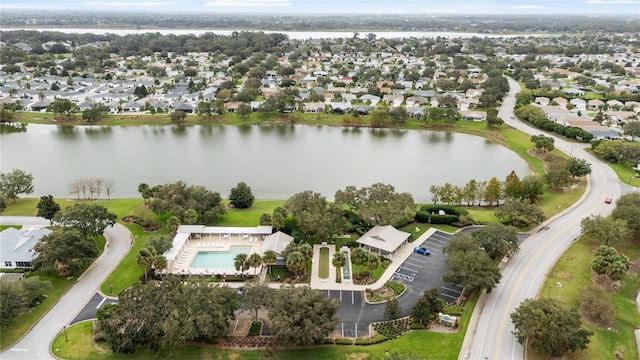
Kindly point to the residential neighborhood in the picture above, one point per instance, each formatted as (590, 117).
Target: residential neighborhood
(333, 76)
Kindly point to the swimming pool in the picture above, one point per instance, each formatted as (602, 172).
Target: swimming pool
(218, 259)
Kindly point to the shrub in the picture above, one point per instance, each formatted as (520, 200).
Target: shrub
(363, 341)
(427, 217)
(255, 329)
(344, 341)
(448, 209)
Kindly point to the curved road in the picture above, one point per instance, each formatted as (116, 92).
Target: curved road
(36, 344)
(524, 274)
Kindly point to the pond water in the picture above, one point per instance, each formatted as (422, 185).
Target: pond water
(276, 161)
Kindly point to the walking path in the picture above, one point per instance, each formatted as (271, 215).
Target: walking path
(36, 344)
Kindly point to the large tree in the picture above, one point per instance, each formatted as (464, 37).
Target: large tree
(315, 217)
(469, 265)
(241, 196)
(167, 313)
(88, 219)
(64, 249)
(497, 239)
(207, 203)
(608, 231)
(392, 310)
(628, 209)
(549, 327)
(256, 296)
(18, 296)
(607, 261)
(379, 204)
(578, 167)
(15, 182)
(520, 212)
(303, 316)
(428, 306)
(48, 208)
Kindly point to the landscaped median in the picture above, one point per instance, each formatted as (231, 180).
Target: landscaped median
(390, 290)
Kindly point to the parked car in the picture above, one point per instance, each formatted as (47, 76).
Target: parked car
(421, 250)
(607, 201)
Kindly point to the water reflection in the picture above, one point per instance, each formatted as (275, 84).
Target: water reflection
(67, 131)
(94, 131)
(179, 130)
(6, 128)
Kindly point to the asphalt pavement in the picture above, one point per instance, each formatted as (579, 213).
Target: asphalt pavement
(490, 332)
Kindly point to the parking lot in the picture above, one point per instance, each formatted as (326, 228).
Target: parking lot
(422, 272)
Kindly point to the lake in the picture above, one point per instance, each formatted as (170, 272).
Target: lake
(276, 161)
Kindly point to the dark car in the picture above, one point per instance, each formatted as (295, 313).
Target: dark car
(421, 250)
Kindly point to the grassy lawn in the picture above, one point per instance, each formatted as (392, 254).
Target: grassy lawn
(573, 271)
(425, 344)
(324, 263)
(247, 217)
(555, 201)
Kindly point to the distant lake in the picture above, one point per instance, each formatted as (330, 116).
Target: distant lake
(276, 161)
(294, 35)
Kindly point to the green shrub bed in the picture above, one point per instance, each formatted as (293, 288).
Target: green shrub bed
(393, 329)
(344, 341)
(390, 290)
(376, 339)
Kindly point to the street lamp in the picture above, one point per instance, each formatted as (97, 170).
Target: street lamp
(65, 333)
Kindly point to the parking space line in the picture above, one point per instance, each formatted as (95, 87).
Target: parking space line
(447, 288)
(416, 265)
(449, 296)
(408, 269)
(418, 259)
(353, 298)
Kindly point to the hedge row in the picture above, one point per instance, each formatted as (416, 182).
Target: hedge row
(448, 209)
(427, 217)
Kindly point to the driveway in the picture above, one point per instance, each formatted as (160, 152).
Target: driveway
(36, 344)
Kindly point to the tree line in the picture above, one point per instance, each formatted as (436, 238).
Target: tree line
(170, 312)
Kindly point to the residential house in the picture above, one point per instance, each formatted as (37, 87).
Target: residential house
(542, 101)
(313, 107)
(473, 115)
(16, 246)
(595, 104)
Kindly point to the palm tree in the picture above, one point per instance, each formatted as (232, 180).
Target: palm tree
(339, 260)
(160, 263)
(254, 261)
(359, 256)
(269, 257)
(296, 262)
(240, 262)
(307, 252)
(373, 261)
(145, 257)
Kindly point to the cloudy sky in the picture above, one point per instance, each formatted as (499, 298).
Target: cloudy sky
(434, 7)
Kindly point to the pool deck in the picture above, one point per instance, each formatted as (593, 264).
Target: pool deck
(193, 246)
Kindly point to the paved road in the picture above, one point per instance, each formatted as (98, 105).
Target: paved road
(36, 344)
(523, 275)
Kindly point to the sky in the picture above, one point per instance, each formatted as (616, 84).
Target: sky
(629, 8)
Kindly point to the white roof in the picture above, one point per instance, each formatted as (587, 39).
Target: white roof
(386, 238)
(178, 241)
(276, 242)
